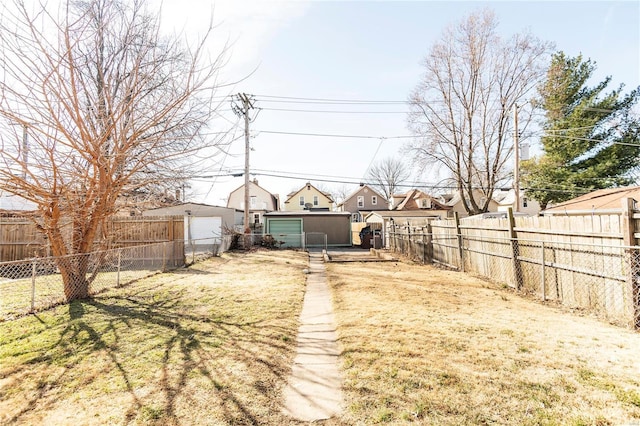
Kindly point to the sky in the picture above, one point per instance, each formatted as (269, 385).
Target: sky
(290, 54)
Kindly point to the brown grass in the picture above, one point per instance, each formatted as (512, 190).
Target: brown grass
(430, 346)
(213, 345)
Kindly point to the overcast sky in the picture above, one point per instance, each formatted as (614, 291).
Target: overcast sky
(362, 50)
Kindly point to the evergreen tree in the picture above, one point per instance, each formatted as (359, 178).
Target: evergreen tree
(591, 138)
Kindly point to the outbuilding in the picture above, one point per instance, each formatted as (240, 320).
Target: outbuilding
(204, 225)
(386, 219)
(301, 229)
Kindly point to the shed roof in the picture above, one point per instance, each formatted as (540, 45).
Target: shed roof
(196, 210)
(602, 199)
(306, 213)
(404, 214)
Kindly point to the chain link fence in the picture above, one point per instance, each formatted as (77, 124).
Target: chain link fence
(36, 284)
(196, 250)
(602, 279)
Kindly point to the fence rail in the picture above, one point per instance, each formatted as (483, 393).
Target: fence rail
(587, 265)
(36, 284)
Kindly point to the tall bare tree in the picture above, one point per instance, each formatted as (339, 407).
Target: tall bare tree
(461, 110)
(107, 106)
(387, 175)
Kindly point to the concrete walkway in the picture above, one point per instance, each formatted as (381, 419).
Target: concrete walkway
(314, 389)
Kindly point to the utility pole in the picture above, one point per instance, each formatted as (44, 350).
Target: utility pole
(243, 110)
(516, 169)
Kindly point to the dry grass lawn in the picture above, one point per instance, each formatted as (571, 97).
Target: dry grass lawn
(208, 345)
(213, 345)
(430, 346)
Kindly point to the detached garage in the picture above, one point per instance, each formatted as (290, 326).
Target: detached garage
(302, 229)
(204, 225)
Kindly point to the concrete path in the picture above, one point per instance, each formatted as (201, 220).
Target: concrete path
(314, 389)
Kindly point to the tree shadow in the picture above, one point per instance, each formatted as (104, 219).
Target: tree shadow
(190, 343)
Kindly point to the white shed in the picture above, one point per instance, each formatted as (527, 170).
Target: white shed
(204, 225)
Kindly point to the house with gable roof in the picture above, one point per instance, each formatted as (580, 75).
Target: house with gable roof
(308, 198)
(261, 201)
(454, 201)
(418, 201)
(363, 201)
(412, 208)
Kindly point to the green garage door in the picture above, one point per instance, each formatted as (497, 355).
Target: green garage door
(287, 230)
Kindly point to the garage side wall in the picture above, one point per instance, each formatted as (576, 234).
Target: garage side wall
(337, 229)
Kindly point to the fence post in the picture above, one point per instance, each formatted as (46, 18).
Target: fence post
(515, 250)
(164, 257)
(119, 266)
(456, 217)
(428, 247)
(628, 234)
(544, 280)
(392, 237)
(33, 284)
(409, 241)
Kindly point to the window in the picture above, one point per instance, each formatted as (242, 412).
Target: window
(525, 202)
(302, 200)
(374, 200)
(315, 200)
(360, 201)
(254, 201)
(355, 217)
(256, 218)
(425, 203)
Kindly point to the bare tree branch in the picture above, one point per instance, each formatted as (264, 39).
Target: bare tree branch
(109, 107)
(461, 108)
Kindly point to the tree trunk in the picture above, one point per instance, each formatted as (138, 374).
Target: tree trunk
(74, 276)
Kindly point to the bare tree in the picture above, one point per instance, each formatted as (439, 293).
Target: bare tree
(108, 106)
(387, 175)
(461, 110)
(340, 193)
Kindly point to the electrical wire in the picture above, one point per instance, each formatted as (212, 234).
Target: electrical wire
(331, 111)
(334, 135)
(326, 100)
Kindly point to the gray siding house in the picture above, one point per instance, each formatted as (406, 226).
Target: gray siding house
(364, 200)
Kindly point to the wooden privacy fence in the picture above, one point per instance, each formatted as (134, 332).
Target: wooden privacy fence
(20, 239)
(584, 262)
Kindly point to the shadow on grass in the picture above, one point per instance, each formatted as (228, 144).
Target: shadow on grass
(187, 343)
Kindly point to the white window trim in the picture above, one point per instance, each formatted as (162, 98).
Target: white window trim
(374, 200)
(302, 200)
(316, 200)
(360, 201)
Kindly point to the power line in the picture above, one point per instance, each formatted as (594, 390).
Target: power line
(356, 181)
(332, 111)
(340, 102)
(590, 140)
(334, 135)
(322, 100)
